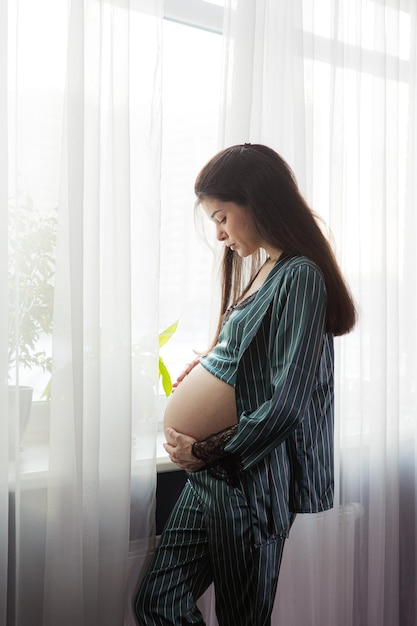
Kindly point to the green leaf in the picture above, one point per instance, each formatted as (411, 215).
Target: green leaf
(166, 378)
(166, 334)
(47, 391)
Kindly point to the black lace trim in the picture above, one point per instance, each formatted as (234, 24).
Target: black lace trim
(221, 465)
(212, 447)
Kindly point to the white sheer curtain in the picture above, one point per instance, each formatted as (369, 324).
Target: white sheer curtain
(80, 117)
(332, 86)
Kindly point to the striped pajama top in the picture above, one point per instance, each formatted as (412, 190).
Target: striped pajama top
(285, 399)
(221, 361)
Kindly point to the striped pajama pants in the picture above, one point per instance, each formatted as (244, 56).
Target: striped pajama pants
(208, 538)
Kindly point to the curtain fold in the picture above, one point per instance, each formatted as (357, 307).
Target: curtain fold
(263, 86)
(85, 141)
(332, 87)
(4, 427)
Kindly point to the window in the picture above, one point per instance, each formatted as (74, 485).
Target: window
(356, 76)
(36, 81)
(191, 90)
(191, 95)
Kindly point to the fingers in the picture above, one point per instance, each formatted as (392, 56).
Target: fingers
(171, 452)
(171, 435)
(184, 442)
(179, 451)
(185, 373)
(192, 365)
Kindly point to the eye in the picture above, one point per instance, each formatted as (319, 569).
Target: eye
(223, 221)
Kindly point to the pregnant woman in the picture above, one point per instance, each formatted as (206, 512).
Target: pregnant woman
(251, 421)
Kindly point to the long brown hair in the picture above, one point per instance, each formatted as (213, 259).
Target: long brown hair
(255, 177)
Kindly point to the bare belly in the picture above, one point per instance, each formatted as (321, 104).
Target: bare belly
(201, 405)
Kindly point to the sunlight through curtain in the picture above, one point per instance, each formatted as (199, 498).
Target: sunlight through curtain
(80, 104)
(332, 86)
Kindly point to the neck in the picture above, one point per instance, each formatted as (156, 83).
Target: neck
(274, 256)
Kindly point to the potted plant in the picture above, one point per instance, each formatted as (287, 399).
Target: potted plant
(31, 270)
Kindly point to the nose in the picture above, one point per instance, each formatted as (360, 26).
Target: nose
(220, 233)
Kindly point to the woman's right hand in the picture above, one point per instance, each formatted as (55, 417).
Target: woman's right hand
(187, 370)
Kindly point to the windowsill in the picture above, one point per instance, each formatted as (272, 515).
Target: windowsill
(33, 463)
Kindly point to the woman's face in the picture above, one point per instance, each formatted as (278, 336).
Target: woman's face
(235, 226)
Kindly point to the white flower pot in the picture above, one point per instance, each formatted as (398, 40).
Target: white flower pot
(20, 403)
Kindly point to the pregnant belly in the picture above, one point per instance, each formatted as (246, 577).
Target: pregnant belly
(201, 405)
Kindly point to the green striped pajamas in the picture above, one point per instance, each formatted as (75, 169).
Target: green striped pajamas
(284, 442)
(209, 537)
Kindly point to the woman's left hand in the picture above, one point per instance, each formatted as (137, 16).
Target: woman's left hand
(179, 448)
